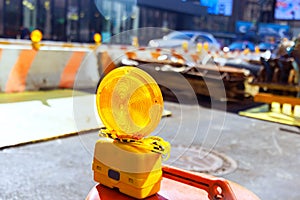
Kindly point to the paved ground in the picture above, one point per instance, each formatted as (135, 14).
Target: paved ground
(267, 155)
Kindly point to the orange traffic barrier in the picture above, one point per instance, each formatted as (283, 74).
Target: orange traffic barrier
(107, 63)
(17, 78)
(69, 74)
(195, 57)
(131, 54)
(27, 69)
(155, 54)
(116, 52)
(123, 47)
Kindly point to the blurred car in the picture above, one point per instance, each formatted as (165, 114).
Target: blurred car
(240, 46)
(264, 46)
(176, 38)
(269, 37)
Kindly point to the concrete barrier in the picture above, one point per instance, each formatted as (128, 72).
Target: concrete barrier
(61, 65)
(22, 68)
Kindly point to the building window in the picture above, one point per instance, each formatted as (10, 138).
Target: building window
(72, 20)
(12, 17)
(96, 20)
(84, 30)
(29, 17)
(1, 17)
(59, 20)
(44, 18)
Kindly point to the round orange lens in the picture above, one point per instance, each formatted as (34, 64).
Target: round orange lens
(129, 102)
(36, 36)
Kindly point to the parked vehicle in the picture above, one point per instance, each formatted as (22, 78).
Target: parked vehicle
(240, 46)
(264, 46)
(176, 38)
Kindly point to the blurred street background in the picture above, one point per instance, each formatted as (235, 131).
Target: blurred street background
(228, 71)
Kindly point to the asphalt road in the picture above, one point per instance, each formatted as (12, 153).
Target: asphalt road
(267, 155)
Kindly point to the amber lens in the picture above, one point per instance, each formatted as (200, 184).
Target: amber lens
(36, 36)
(129, 101)
(97, 37)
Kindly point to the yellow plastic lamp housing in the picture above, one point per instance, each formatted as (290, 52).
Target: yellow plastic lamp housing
(129, 102)
(36, 36)
(97, 38)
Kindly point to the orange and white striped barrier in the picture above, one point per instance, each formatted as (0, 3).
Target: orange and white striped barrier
(24, 69)
(57, 67)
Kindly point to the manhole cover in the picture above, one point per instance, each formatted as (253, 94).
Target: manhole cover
(201, 160)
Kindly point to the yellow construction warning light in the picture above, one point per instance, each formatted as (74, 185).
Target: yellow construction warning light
(257, 50)
(130, 105)
(185, 45)
(135, 42)
(199, 47)
(36, 36)
(97, 38)
(246, 51)
(129, 102)
(206, 46)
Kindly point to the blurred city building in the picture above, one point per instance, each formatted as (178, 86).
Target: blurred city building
(78, 20)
